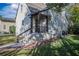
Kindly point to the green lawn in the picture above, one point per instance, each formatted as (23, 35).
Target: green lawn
(7, 39)
(63, 47)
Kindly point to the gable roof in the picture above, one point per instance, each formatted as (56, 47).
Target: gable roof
(38, 8)
(8, 20)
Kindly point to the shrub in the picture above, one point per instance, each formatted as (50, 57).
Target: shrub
(12, 29)
(74, 29)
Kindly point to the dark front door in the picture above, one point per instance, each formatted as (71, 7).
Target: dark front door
(39, 23)
(42, 24)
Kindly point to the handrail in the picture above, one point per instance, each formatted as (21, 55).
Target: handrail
(18, 38)
(24, 32)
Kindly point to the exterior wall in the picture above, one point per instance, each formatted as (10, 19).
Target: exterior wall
(22, 15)
(57, 24)
(22, 12)
(7, 25)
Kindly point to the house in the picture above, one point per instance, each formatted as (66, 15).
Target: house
(5, 25)
(35, 22)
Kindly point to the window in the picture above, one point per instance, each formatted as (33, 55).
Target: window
(4, 26)
(23, 22)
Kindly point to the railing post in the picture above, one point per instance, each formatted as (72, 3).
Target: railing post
(47, 23)
(31, 24)
(17, 40)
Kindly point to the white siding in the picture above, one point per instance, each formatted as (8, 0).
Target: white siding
(22, 11)
(57, 24)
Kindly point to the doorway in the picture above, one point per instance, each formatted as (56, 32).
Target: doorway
(39, 23)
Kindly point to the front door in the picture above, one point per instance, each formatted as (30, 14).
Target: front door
(40, 23)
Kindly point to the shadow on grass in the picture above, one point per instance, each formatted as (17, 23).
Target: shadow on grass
(67, 49)
(76, 37)
(10, 53)
(6, 39)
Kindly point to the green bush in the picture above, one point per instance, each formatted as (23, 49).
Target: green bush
(74, 29)
(12, 29)
(74, 12)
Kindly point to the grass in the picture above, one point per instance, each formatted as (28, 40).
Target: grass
(68, 46)
(7, 39)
